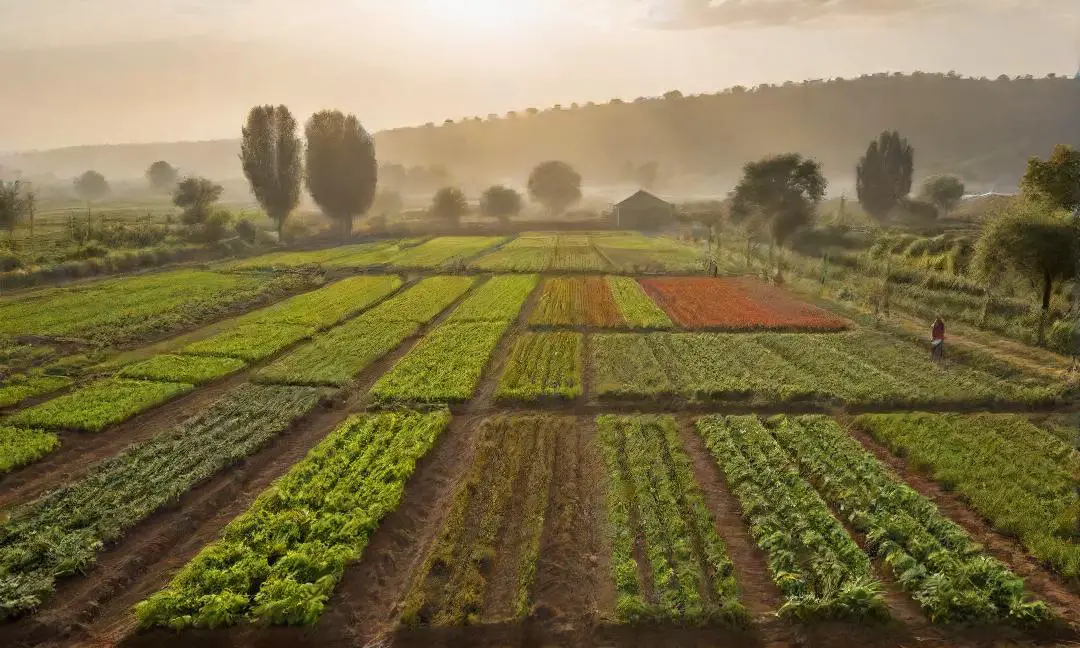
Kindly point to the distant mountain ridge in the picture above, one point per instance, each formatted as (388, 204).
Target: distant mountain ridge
(982, 129)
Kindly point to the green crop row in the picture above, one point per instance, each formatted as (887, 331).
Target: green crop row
(120, 310)
(100, 404)
(692, 575)
(502, 498)
(195, 370)
(263, 333)
(1017, 475)
(16, 389)
(949, 575)
(500, 298)
(814, 562)
(523, 254)
(444, 367)
(543, 365)
(849, 368)
(280, 561)
(444, 251)
(21, 446)
(61, 533)
(422, 302)
(338, 356)
(361, 255)
(637, 308)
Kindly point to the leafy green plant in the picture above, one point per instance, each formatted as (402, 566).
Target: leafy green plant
(500, 298)
(60, 534)
(22, 446)
(280, 561)
(543, 365)
(814, 562)
(637, 308)
(16, 389)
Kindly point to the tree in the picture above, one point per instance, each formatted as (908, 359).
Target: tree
(1035, 240)
(943, 192)
(270, 155)
(778, 195)
(555, 185)
(883, 176)
(450, 204)
(387, 202)
(1057, 180)
(500, 202)
(341, 169)
(91, 187)
(162, 176)
(15, 204)
(196, 196)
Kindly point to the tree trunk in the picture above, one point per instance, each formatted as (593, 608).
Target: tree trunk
(1048, 284)
(748, 252)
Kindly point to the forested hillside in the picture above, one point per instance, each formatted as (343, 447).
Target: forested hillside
(983, 130)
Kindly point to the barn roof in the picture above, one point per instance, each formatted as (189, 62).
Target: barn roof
(643, 200)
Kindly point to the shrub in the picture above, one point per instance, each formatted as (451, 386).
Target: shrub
(9, 262)
(246, 230)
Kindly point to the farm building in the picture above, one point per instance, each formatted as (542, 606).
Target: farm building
(644, 211)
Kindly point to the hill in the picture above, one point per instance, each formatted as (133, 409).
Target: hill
(982, 129)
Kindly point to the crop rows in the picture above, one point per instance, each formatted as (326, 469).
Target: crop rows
(445, 366)
(21, 446)
(653, 502)
(482, 563)
(736, 304)
(361, 255)
(858, 367)
(814, 562)
(422, 302)
(281, 560)
(638, 310)
(61, 533)
(577, 256)
(17, 389)
(526, 253)
(633, 252)
(195, 370)
(930, 556)
(577, 301)
(336, 357)
(498, 299)
(119, 310)
(444, 252)
(100, 404)
(543, 365)
(263, 333)
(1017, 475)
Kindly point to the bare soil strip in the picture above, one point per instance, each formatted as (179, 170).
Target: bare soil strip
(573, 575)
(756, 589)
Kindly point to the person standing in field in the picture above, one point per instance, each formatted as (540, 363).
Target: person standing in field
(937, 340)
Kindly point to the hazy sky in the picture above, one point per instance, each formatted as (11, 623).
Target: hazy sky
(97, 71)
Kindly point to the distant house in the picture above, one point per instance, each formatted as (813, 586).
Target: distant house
(644, 211)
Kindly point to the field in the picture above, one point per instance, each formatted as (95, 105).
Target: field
(559, 439)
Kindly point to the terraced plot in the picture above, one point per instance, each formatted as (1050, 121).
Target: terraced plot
(444, 252)
(99, 405)
(195, 370)
(21, 446)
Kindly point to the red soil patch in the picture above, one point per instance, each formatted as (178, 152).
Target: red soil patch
(736, 304)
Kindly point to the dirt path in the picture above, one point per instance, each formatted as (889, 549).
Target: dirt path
(756, 589)
(573, 584)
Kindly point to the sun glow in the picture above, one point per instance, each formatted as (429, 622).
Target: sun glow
(485, 15)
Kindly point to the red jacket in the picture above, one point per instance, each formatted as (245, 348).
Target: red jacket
(939, 331)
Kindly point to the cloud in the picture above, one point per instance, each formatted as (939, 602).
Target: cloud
(692, 14)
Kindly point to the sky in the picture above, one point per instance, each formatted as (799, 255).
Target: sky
(78, 72)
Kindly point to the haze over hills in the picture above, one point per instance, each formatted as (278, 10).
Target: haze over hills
(983, 130)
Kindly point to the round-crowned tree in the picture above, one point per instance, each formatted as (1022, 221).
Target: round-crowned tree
(555, 185)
